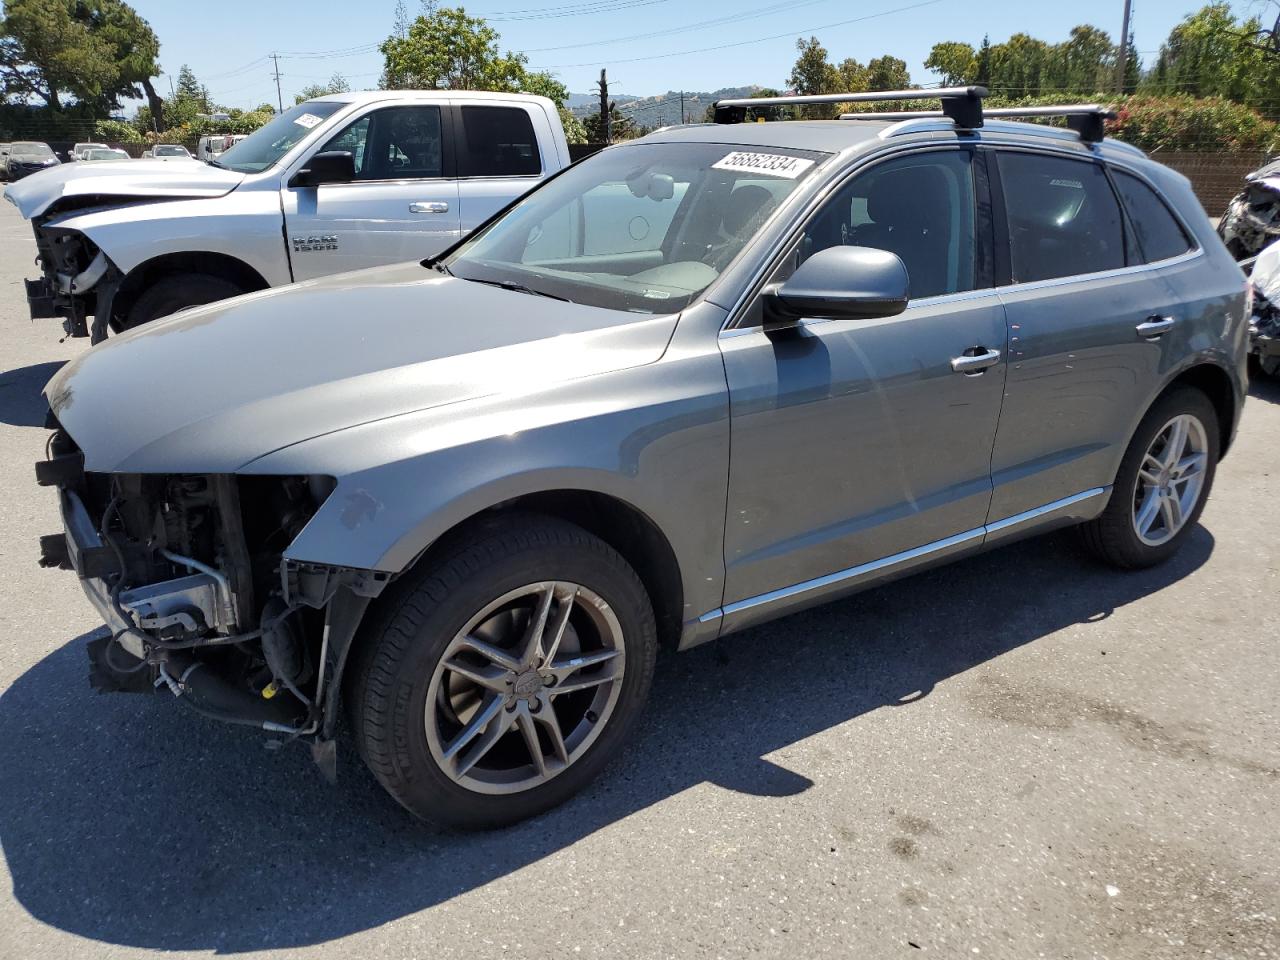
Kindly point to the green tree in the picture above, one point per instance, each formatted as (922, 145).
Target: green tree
(956, 63)
(1210, 54)
(445, 48)
(1085, 62)
(854, 77)
(1018, 66)
(813, 74)
(337, 84)
(982, 70)
(887, 73)
(95, 52)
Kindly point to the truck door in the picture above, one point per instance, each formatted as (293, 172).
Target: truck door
(402, 204)
(499, 157)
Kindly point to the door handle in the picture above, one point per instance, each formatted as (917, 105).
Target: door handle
(1154, 327)
(428, 206)
(974, 360)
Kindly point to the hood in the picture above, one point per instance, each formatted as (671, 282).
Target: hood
(212, 388)
(135, 180)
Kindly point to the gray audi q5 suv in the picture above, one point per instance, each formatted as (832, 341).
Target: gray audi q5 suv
(692, 383)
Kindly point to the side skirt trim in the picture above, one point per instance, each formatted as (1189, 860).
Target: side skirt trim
(906, 556)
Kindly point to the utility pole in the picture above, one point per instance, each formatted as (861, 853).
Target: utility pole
(605, 126)
(275, 58)
(682, 106)
(1121, 61)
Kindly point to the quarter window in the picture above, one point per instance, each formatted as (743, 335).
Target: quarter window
(1063, 217)
(1158, 233)
(499, 142)
(920, 207)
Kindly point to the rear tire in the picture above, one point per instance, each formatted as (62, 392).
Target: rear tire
(173, 293)
(425, 699)
(1152, 510)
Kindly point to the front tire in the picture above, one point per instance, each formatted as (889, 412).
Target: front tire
(173, 293)
(498, 679)
(1162, 485)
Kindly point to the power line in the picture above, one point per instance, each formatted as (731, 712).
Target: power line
(743, 43)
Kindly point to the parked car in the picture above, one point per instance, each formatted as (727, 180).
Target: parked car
(1252, 219)
(106, 153)
(1264, 310)
(79, 151)
(210, 148)
(170, 151)
(4, 160)
(337, 183)
(27, 157)
(697, 381)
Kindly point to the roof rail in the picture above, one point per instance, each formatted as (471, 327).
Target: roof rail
(1086, 119)
(961, 104)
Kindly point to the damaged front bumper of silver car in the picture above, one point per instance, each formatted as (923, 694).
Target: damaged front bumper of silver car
(188, 574)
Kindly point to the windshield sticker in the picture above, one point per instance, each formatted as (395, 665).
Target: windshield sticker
(307, 120)
(769, 164)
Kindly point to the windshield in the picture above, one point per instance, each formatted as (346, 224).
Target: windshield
(31, 150)
(267, 144)
(644, 228)
(170, 152)
(108, 155)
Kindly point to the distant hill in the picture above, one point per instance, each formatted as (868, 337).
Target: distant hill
(662, 110)
(591, 101)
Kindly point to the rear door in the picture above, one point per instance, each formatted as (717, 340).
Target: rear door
(503, 150)
(402, 204)
(1090, 329)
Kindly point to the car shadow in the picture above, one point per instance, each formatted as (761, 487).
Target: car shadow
(128, 820)
(21, 402)
(1263, 387)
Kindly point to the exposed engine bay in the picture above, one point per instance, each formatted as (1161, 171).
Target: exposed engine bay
(1252, 219)
(188, 573)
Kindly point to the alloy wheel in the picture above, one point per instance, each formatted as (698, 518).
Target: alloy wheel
(525, 688)
(1170, 480)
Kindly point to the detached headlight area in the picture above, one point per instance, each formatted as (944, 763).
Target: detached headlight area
(188, 573)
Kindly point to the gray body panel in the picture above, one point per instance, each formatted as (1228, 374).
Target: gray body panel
(846, 454)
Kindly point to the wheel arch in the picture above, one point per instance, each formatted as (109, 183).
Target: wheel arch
(618, 523)
(1216, 384)
(214, 264)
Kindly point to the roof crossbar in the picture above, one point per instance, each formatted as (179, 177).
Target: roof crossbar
(1086, 119)
(961, 104)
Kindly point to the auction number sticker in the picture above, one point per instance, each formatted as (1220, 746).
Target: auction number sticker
(769, 164)
(307, 120)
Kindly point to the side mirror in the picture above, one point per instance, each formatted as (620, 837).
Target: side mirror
(331, 166)
(839, 283)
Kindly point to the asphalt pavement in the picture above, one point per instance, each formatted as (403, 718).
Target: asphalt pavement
(1022, 755)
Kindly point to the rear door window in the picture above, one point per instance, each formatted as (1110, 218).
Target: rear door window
(1063, 217)
(498, 142)
(1158, 234)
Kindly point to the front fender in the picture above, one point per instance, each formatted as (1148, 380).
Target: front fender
(654, 437)
(245, 224)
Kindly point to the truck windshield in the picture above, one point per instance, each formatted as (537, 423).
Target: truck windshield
(644, 228)
(267, 144)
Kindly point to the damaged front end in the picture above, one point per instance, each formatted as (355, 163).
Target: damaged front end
(1252, 219)
(188, 573)
(78, 281)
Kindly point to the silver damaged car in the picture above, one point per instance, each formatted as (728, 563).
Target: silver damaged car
(695, 382)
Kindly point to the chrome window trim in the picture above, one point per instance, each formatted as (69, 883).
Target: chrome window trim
(1115, 272)
(875, 566)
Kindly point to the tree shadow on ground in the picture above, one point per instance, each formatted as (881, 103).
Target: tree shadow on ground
(128, 820)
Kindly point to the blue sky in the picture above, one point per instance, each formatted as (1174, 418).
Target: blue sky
(227, 44)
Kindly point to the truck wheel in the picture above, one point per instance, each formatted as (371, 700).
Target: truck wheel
(1162, 485)
(173, 293)
(498, 679)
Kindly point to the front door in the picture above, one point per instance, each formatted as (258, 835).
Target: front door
(854, 441)
(402, 205)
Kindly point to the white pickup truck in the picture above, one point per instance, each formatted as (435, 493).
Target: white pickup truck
(337, 183)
